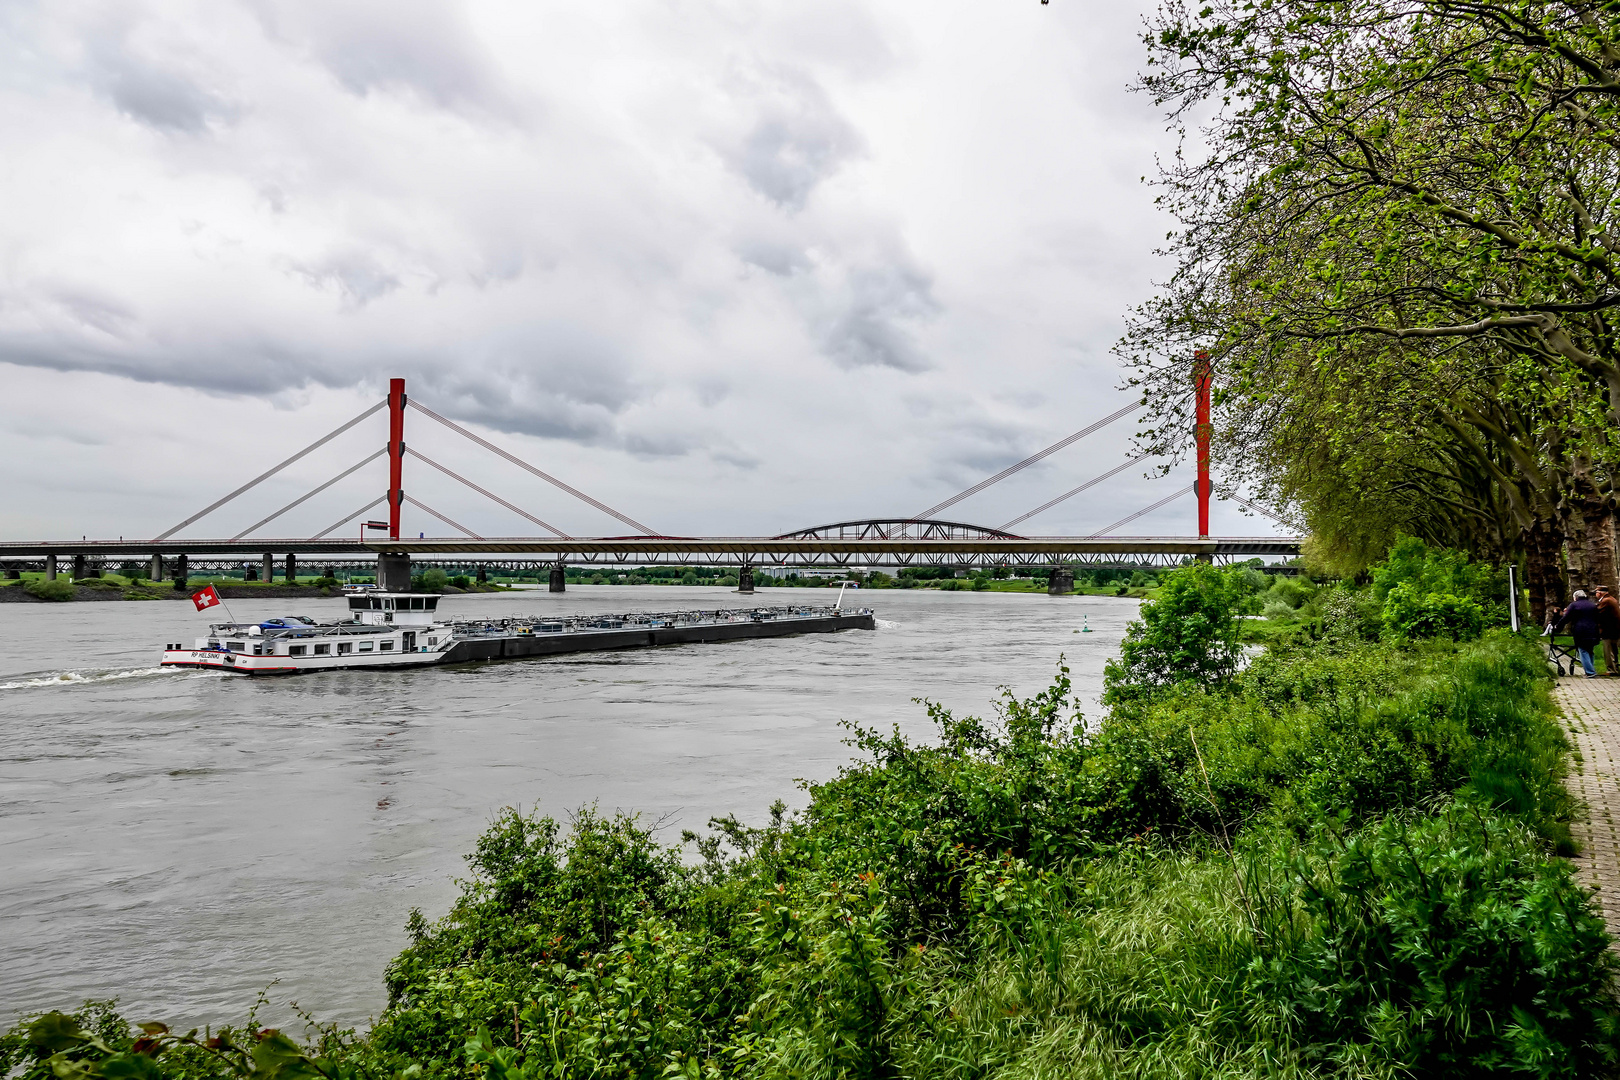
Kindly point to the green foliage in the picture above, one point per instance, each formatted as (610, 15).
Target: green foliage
(432, 580)
(461, 581)
(95, 1043)
(1189, 633)
(1409, 613)
(1434, 592)
(49, 588)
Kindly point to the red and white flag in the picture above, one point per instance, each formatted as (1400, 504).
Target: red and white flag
(205, 598)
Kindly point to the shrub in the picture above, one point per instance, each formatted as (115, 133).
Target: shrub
(432, 580)
(461, 581)
(1409, 613)
(57, 589)
(1188, 634)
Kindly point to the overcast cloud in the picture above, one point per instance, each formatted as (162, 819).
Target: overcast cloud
(732, 267)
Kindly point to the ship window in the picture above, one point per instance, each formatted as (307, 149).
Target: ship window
(388, 605)
(433, 641)
(418, 603)
(297, 650)
(431, 603)
(385, 645)
(322, 650)
(236, 646)
(365, 646)
(345, 647)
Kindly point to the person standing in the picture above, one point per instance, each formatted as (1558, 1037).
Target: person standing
(1582, 619)
(1609, 626)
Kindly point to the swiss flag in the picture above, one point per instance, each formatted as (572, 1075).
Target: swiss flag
(205, 599)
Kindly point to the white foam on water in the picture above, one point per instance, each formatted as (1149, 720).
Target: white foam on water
(885, 624)
(76, 678)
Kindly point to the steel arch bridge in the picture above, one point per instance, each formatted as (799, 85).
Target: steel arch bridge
(899, 529)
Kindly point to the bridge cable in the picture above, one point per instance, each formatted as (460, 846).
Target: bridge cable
(1027, 462)
(420, 505)
(316, 445)
(304, 498)
(547, 477)
(1262, 510)
(1041, 509)
(486, 494)
(1145, 510)
(344, 521)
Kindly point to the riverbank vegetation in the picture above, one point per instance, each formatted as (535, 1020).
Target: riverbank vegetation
(1337, 859)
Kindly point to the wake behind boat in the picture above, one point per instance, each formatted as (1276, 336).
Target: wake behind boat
(397, 630)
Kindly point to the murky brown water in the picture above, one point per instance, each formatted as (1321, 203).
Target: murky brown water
(180, 841)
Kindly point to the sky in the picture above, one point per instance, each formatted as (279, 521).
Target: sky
(731, 267)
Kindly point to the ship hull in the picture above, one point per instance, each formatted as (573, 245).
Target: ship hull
(520, 646)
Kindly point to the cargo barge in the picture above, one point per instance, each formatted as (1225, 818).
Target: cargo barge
(400, 630)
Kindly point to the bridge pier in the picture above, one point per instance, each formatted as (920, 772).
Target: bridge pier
(291, 569)
(745, 580)
(155, 571)
(78, 567)
(50, 568)
(483, 574)
(182, 571)
(13, 573)
(394, 571)
(559, 578)
(267, 568)
(1061, 583)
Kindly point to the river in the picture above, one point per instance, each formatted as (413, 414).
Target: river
(180, 841)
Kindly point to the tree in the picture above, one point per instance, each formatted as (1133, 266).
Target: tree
(1188, 635)
(1405, 205)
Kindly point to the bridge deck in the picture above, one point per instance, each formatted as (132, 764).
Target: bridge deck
(714, 550)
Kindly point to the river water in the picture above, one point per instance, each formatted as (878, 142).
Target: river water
(181, 841)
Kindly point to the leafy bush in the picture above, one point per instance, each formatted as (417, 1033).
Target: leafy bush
(461, 581)
(432, 580)
(1188, 634)
(1410, 613)
(56, 589)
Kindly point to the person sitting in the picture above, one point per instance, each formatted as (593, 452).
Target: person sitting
(1582, 619)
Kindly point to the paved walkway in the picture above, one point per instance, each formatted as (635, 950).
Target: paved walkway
(1592, 711)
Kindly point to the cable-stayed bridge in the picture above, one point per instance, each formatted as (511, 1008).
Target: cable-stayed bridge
(921, 539)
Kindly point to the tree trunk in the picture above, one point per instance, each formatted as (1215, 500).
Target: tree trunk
(1597, 543)
(1543, 569)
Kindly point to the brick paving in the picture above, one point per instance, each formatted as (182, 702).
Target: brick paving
(1592, 712)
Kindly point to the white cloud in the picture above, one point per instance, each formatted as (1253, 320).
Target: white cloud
(733, 266)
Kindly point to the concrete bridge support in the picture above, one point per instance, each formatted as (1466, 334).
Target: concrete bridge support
(79, 567)
(745, 580)
(182, 569)
(394, 572)
(483, 574)
(50, 568)
(559, 578)
(1061, 583)
(155, 571)
(291, 569)
(267, 568)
